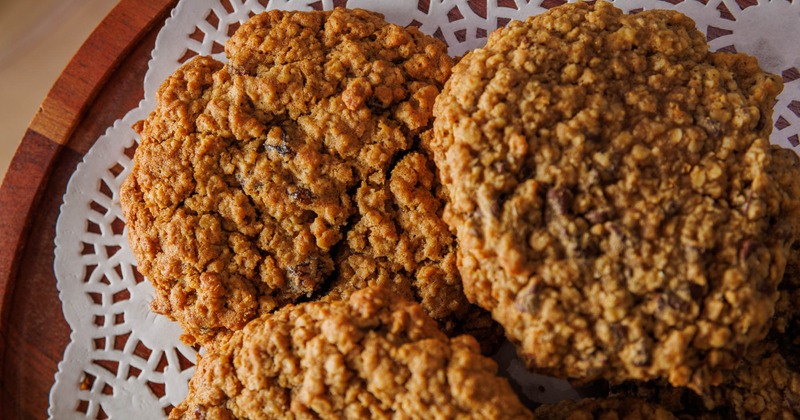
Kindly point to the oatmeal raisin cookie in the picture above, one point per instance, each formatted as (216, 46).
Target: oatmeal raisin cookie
(765, 382)
(372, 356)
(257, 182)
(609, 184)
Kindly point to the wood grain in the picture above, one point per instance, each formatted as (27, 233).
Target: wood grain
(60, 111)
(102, 82)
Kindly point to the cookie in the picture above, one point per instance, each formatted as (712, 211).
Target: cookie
(254, 177)
(372, 356)
(603, 408)
(609, 184)
(399, 241)
(765, 382)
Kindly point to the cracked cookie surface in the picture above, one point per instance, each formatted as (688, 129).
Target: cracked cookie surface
(374, 355)
(399, 241)
(249, 174)
(609, 184)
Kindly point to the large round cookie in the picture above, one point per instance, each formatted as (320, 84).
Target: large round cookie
(252, 178)
(372, 356)
(609, 186)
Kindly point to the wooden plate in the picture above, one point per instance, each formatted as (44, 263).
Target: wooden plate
(100, 84)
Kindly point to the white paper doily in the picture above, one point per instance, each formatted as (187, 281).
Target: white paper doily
(124, 361)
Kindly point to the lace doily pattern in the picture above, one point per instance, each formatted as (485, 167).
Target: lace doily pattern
(118, 348)
(123, 359)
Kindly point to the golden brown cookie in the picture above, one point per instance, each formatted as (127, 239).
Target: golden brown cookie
(603, 408)
(372, 356)
(252, 178)
(765, 382)
(398, 240)
(609, 184)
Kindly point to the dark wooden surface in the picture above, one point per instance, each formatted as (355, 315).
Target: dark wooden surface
(100, 84)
